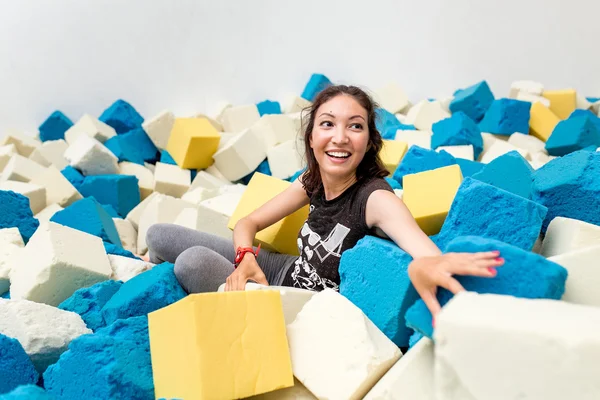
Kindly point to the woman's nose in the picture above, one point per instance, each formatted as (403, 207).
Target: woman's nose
(340, 135)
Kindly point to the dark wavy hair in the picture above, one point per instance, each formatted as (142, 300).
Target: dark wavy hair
(371, 165)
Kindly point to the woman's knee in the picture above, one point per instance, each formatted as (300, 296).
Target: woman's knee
(199, 269)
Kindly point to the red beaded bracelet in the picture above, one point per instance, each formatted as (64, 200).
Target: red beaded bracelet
(241, 251)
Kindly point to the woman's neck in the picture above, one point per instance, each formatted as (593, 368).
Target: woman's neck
(335, 187)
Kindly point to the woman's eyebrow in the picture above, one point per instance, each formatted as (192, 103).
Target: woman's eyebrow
(330, 115)
(357, 116)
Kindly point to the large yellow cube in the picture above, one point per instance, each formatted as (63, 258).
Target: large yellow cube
(542, 121)
(282, 235)
(562, 102)
(429, 195)
(193, 142)
(392, 153)
(220, 346)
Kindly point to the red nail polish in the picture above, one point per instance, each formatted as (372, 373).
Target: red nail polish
(492, 271)
(499, 259)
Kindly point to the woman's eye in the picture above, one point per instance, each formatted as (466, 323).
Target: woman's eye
(326, 123)
(357, 126)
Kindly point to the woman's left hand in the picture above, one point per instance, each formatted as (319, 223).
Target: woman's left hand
(427, 273)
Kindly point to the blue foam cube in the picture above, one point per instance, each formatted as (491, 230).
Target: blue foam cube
(387, 124)
(144, 293)
(506, 116)
(484, 210)
(393, 183)
(122, 117)
(570, 187)
(27, 392)
(455, 131)
(593, 99)
(5, 295)
(374, 276)
(134, 146)
(55, 126)
(468, 167)
(119, 191)
(88, 302)
(510, 172)
(118, 251)
(111, 211)
(263, 168)
(473, 101)
(414, 339)
(73, 176)
(268, 107)
(314, 86)
(418, 159)
(571, 135)
(524, 274)
(16, 367)
(112, 363)
(87, 215)
(123, 153)
(587, 113)
(15, 212)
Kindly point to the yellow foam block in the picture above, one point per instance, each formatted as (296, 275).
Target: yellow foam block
(220, 346)
(429, 195)
(392, 153)
(542, 121)
(562, 102)
(282, 235)
(193, 142)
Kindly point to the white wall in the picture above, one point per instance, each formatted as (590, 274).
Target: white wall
(79, 56)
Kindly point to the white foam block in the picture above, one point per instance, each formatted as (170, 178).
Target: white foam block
(463, 151)
(216, 112)
(582, 102)
(21, 169)
(6, 152)
(91, 157)
(48, 212)
(525, 86)
(539, 159)
(45, 332)
(238, 118)
(125, 268)
(584, 275)
(56, 262)
(352, 353)
(527, 142)
(426, 113)
(135, 214)
(497, 347)
(171, 179)
(241, 155)
(274, 129)
(144, 175)
(225, 137)
(567, 234)
(35, 193)
(499, 148)
(159, 128)
(399, 193)
(127, 234)
(445, 102)
(91, 127)
(285, 159)
(214, 171)
(410, 378)
(58, 188)
(151, 167)
(214, 214)
(206, 180)
(10, 243)
(532, 98)
(24, 144)
(51, 152)
(216, 124)
(392, 98)
(294, 104)
(596, 107)
(415, 138)
(198, 195)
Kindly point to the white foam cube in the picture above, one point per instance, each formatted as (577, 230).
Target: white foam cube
(538, 159)
(399, 192)
(532, 98)
(171, 179)
(35, 193)
(462, 151)
(392, 98)
(159, 128)
(135, 214)
(214, 213)
(414, 138)
(6, 152)
(295, 104)
(274, 129)
(91, 127)
(47, 213)
(499, 148)
(51, 152)
(151, 167)
(225, 138)
(497, 347)
(584, 275)
(125, 268)
(525, 86)
(21, 169)
(206, 180)
(127, 233)
(352, 353)
(198, 195)
(596, 107)
(285, 159)
(24, 144)
(582, 102)
(426, 113)
(91, 157)
(10, 243)
(58, 188)
(45, 332)
(214, 171)
(144, 175)
(410, 378)
(567, 234)
(218, 109)
(241, 155)
(527, 142)
(238, 118)
(216, 124)
(56, 262)
(445, 102)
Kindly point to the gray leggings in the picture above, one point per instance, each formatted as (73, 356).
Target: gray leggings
(204, 261)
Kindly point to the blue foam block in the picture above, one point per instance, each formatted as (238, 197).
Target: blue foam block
(122, 116)
(87, 215)
(524, 274)
(374, 276)
(111, 211)
(510, 172)
(55, 126)
(570, 187)
(314, 86)
(587, 113)
(112, 363)
(5, 295)
(147, 292)
(88, 302)
(455, 131)
(118, 251)
(296, 175)
(506, 116)
(28, 392)
(16, 367)
(263, 168)
(134, 146)
(414, 339)
(571, 135)
(473, 101)
(593, 99)
(123, 153)
(484, 210)
(387, 124)
(468, 167)
(418, 159)
(393, 183)
(268, 107)
(15, 212)
(119, 191)
(73, 176)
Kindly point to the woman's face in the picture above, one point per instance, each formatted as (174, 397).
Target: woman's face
(340, 136)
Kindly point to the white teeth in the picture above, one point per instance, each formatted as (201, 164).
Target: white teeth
(338, 154)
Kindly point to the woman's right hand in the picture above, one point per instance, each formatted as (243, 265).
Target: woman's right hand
(247, 270)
